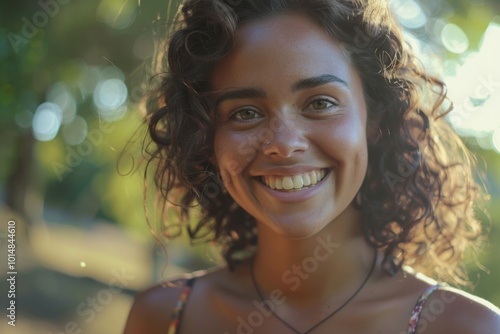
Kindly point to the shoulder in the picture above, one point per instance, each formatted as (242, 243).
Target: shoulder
(449, 310)
(152, 309)
(446, 310)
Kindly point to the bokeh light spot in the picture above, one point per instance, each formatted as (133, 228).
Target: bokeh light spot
(61, 95)
(484, 140)
(454, 39)
(47, 121)
(109, 98)
(110, 94)
(410, 14)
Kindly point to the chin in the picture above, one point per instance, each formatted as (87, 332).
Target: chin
(297, 226)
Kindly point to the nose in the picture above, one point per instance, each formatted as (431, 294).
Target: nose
(288, 137)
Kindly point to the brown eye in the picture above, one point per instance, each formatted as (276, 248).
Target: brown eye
(321, 104)
(245, 114)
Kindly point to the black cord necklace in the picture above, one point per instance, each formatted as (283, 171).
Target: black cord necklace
(257, 289)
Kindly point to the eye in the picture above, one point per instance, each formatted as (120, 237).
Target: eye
(321, 104)
(245, 114)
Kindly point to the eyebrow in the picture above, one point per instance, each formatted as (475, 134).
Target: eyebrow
(317, 81)
(243, 93)
(254, 92)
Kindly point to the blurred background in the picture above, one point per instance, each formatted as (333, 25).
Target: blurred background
(71, 75)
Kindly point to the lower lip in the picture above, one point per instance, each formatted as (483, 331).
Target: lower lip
(295, 196)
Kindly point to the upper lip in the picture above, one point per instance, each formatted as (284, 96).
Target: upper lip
(287, 171)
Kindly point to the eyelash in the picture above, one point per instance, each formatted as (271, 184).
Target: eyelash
(234, 115)
(332, 103)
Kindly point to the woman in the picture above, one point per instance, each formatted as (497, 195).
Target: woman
(337, 175)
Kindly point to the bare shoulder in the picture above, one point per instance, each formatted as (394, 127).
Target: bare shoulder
(459, 312)
(152, 309)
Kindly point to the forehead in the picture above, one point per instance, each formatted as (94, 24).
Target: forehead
(285, 46)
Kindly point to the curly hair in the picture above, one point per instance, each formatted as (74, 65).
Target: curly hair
(420, 191)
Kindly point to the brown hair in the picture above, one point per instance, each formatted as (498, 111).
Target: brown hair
(418, 194)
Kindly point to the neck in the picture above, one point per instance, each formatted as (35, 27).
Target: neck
(336, 259)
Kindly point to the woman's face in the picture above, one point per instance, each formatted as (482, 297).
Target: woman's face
(290, 137)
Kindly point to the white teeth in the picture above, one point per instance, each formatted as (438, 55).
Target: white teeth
(294, 182)
(314, 179)
(287, 183)
(298, 182)
(307, 180)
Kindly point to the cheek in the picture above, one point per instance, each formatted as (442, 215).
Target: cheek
(346, 144)
(346, 138)
(231, 153)
(356, 149)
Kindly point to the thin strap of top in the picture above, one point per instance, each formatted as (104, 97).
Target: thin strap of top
(186, 290)
(179, 308)
(419, 306)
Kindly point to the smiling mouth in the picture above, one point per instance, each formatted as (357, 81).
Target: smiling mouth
(294, 182)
